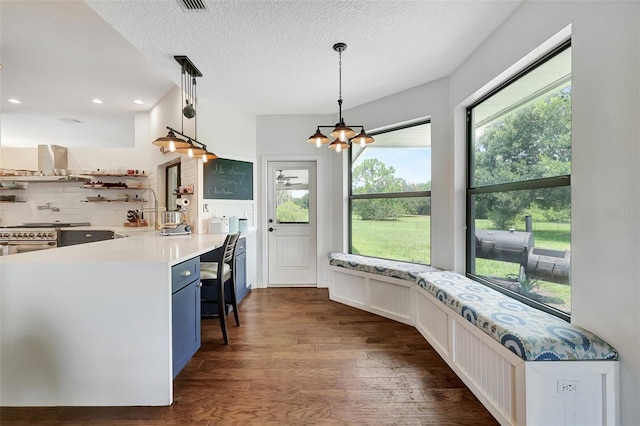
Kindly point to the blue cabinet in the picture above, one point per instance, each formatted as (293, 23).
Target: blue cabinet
(185, 312)
(240, 265)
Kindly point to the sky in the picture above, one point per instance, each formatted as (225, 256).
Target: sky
(411, 164)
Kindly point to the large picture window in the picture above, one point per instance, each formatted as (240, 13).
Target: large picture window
(390, 198)
(518, 196)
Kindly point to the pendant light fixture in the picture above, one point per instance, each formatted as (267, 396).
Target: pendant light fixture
(343, 134)
(189, 146)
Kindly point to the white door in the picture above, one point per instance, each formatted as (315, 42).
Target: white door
(291, 223)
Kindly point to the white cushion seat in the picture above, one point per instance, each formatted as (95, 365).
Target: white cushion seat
(209, 270)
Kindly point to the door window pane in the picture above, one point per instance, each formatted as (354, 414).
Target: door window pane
(292, 196)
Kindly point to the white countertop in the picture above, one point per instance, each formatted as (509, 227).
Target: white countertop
(138, 245)
(141, 247)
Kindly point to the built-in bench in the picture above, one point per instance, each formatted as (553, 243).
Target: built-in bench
(497, 345)
(379, 286)
(388, 268)
(529, 333)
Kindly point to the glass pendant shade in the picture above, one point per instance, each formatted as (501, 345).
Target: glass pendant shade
(318, 138)
(171, 140)
(362, 138)
(342, 132)
(339, 145)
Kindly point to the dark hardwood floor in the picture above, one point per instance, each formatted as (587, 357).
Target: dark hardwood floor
(297, 358)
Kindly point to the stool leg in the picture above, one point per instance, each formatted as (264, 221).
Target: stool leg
(221, 312)
(234, 302)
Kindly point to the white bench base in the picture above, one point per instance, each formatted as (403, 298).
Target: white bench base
(516, 392)
(381, 295)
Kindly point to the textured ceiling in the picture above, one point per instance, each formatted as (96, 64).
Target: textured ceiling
(262, 57)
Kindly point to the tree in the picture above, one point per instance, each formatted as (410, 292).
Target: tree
(292, 213)
(532, 143)
(416, 206)
(370, 177)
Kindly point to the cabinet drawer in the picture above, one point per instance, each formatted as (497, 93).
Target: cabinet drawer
(184, 273)
(241, 245)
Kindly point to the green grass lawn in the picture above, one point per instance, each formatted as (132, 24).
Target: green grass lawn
(409, 239)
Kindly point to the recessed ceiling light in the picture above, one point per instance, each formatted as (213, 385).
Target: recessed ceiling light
(14, 101)
(139, 102)
(96, 101)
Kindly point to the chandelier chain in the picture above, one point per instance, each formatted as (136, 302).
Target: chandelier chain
(340, 75)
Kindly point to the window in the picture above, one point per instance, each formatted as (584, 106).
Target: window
(292, 196)
(390, 197)
(518, 192)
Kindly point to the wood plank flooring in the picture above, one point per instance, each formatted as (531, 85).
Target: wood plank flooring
(297, 358)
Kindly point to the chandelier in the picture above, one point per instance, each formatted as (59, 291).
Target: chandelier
(343, 134)
(186, 145)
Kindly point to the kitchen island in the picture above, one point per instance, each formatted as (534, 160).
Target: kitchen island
(91, 324)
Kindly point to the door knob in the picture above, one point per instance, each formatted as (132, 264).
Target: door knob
(271, 229)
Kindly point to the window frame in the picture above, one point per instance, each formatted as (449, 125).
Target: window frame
(168, 193)
(382, 195)
(540, 183)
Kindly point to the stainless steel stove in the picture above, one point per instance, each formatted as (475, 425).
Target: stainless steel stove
(24, 239)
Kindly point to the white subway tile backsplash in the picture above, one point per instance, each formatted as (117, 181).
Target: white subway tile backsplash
(70, 198)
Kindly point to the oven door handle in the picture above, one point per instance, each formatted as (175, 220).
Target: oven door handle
(30, 243)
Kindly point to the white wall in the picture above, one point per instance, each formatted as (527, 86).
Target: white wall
(284, 138)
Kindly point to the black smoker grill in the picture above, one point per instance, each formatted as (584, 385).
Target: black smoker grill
(518, 247)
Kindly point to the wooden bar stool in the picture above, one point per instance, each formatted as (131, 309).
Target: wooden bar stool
(216, 274)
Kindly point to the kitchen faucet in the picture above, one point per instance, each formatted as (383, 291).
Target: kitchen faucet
(155, 209)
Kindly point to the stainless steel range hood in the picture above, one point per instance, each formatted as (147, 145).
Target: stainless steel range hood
(51, 157)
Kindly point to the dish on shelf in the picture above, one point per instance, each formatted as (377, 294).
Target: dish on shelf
(96, 198)
(93, 185)
(9, 185)
(133, 183)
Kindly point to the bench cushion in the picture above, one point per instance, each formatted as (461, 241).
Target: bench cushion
(531, 334)
(390, 268)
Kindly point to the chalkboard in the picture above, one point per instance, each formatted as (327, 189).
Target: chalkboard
(228, 179)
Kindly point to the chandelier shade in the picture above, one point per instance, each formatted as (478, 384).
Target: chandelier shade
(342, 132)
(344, 135)
(191, 150)
(362, 138)
(171, 141)
(208, 156)
(318, 138)
(339, 145)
